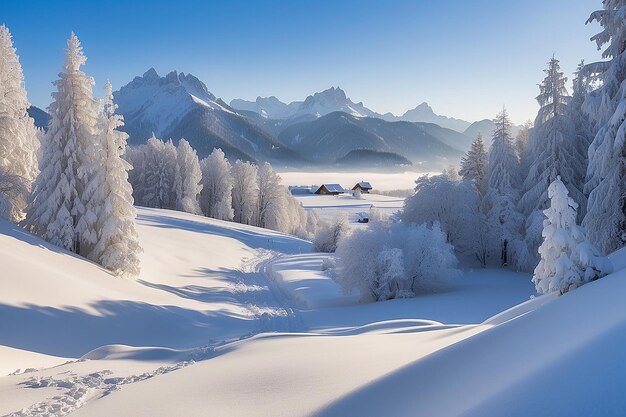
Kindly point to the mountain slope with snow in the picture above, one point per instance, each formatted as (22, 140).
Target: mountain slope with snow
(180, 106)
(335, 135)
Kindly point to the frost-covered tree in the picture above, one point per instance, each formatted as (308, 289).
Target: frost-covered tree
(13, 188)
(605, 220)
(474, 164)
(500, 202)
(244, 195)
(553, 151)
(190, 177)
(329, 233)
(568, 260)
(217, 189)
(117, 248)
(553, 148)
(71, 156)
(19, 144)
(312, 223)
(297, 219)
(387, 261)
(455, 205)
(160, 174)
(270, 198)
(452, 172)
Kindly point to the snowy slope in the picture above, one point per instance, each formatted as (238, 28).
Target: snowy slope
(198, 284)
(550, 357)
(205, 282)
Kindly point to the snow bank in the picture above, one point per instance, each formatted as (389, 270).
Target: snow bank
(302, 278)
(563, 358)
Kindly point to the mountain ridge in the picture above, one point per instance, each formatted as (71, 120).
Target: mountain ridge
(179, 105)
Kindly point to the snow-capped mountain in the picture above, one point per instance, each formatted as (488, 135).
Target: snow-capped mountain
(268, 107)
(424, 113)
(180, 106)
(332, 100)
(318, 105)
(335, 99)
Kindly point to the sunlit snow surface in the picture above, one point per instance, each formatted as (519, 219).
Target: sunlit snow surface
(230, 320)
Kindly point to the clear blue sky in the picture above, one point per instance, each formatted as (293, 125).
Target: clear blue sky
(464, 57)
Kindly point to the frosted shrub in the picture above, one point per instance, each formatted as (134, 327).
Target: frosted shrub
(328, 234)
(455, 205)
(384, 262)
(328, 263)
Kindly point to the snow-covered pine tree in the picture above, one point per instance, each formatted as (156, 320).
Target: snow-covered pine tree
(553, 148)
(503, 219)
(217, 185)
(605, 219)
(70, 160)
(19, 144)
(568, 260)
(117, 248)
(245, 191)
(553, 151)
(190, 178)
(474, 164)
(161, 174)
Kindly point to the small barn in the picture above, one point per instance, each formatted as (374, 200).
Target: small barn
(330, 189)
(364, 186)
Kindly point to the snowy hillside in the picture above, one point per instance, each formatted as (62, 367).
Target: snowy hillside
(205, 282)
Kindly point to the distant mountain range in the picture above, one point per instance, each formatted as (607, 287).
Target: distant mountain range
(335, 99)
(324, 129)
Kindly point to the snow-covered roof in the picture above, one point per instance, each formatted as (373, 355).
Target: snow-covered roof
(333, 188)
(365, 184)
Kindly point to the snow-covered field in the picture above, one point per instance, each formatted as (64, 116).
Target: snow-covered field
(328, 206)
(382, 181)
(230, 320)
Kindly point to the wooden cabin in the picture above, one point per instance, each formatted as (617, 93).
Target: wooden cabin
(330, 189)
(364, 186)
